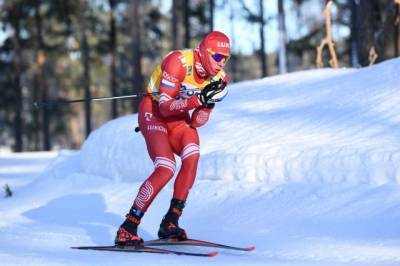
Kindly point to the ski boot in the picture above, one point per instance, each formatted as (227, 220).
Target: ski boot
(169, 227)
(127, 232)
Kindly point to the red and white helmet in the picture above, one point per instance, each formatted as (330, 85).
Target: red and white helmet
(215, 43)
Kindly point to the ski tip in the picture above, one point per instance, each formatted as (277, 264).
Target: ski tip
(251, 248)
(213, 254)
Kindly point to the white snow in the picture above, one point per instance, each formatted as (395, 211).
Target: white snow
(305, 166)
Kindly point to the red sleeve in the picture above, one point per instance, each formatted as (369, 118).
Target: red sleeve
(200, 116)
(173, 73)
(226, 78)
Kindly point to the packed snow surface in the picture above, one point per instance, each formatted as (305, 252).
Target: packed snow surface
(305, 166)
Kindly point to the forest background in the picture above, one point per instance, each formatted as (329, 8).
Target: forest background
(56, 50)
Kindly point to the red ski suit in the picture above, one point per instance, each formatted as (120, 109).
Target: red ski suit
(167, 125)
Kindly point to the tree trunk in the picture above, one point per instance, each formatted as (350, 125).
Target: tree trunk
(368, 22)
(263, 56)
(36, 87)
(35, 111)
(180, 27)
(175, 32)
(233, 59)
(86, 67)
(41, 76)
(137, 81)
(282, 38)
(212, 5)
(397, 31)
(16, 15)
(186, 23)
(113, 50)
(354, 34)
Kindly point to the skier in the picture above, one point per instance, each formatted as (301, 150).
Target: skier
(186, 80)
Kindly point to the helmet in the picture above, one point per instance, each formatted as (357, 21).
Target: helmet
(216, 43)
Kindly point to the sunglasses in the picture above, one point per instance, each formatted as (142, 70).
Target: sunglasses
(218, 57)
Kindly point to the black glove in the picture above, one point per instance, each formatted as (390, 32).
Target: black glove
(212, 93)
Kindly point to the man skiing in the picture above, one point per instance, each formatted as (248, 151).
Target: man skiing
(186, 80)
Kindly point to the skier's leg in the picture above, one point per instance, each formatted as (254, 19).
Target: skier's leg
(164, 169)
(189, 151)
(156, 137)
(190, 155)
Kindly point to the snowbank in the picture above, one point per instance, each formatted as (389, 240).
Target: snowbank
(312, 126)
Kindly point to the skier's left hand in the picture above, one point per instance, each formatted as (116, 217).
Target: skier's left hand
(213, 92)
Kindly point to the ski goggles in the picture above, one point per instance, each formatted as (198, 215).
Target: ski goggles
(218, 57)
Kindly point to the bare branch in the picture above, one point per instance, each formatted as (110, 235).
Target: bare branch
(327, 40)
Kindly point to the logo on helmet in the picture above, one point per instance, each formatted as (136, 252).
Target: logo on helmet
(223, 45)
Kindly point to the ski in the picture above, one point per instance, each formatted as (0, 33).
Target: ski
(194, 242)
(144, 249)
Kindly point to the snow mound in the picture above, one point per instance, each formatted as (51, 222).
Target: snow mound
(312, 126)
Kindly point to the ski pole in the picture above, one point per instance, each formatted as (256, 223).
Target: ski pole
(86, 100)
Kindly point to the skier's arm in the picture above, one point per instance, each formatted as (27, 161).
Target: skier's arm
(200, 116)
(173, 73)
